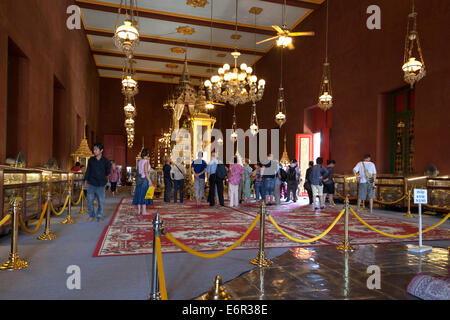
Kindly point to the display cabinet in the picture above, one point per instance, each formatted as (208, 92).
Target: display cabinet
(439, 192)
(24, 183)
(390, 188)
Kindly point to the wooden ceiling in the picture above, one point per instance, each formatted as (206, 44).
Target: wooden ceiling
(169, 28)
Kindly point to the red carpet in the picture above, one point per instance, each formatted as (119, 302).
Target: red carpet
(216, 228)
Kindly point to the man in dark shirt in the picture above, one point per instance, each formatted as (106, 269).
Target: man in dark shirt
(98, 169)
(167, 180)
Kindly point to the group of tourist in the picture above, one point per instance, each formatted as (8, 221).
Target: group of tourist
(272, 181)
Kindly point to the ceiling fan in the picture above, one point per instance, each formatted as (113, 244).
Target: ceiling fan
(284, 36)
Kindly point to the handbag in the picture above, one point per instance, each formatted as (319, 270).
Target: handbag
(139, 179)
(369, 176)
(150, 192)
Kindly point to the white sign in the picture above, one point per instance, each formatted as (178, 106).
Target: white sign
(420, 196)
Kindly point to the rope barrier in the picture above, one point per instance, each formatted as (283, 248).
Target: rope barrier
(162, 281)
(436, 207)
(312, 239)
(400, 236)
(5, 219)
(24, 227)
(215, 255)
(79, 199)
(390, 202)
(62, 210)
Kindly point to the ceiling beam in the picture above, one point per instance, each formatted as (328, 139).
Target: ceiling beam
(146, 71)
(177, 43)
(157, 59)
(296, 3)
(182, 19)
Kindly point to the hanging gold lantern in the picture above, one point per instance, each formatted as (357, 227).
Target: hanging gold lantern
(126, 36)
(413, 69)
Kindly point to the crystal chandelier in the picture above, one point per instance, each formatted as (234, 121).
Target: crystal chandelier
(413, 69)
(129, 84)
(126, 36)
(235, 85)
(325, 94)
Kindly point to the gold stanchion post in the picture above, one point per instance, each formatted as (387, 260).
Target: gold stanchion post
(14, 262)
(261, 260)
(158, 228)
(408, 213)
(48, 234)
(69, 218)
(345, 246)
(82, 209)
(217, 291)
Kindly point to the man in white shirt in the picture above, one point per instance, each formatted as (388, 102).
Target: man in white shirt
(367, 176)
(178, 173)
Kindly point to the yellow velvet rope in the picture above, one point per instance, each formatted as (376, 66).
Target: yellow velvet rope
(308, 240)
(401, 236)
(390, 202)
(62, 210)
(5, 219)
(435, 207)
(162, 280)
(215, 255)
(79, 199)
(24, 227)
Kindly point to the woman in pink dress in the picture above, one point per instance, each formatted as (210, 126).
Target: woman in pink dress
(236, 172)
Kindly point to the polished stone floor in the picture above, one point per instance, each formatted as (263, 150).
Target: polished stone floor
(324, 273)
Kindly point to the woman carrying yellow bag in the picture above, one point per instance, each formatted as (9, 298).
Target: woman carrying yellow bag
(143, 181)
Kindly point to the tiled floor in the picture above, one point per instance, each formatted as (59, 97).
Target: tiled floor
(326, 273)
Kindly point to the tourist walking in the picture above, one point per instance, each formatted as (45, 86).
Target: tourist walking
(178, 174)
(235, 176)
(216, 174)
(259, 188)
(268, 172)
(168, 182)
(247, 181)
(294, 177)
(318, 173)
(328, 183)
(97, 172)
(198, 169)
(143, 182)
(367, 175)
(114, 177)
(307, 184)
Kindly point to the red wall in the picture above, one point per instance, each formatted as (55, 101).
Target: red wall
(38, 29)
(365, 65)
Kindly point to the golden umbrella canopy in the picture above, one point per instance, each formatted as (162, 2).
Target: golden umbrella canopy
(83, 151)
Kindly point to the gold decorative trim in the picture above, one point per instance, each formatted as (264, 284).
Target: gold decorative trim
(177, 50)
(186, 30)
(172, 66)
(255, 10)
(197, 3)
(235, 36)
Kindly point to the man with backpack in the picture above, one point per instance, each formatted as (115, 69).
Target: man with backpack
(293, 178)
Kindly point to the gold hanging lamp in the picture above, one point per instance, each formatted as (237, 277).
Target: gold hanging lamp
(413, 69)
(325, 94)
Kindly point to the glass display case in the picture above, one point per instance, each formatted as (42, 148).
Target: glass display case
(24, 183)
(390, 188)
(439, 192)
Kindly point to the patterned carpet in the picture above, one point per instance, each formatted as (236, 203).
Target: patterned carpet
(216, 228)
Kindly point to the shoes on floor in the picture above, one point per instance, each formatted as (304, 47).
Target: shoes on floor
(100, 220)
(91, 219)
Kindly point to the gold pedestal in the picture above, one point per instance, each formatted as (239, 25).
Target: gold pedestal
(68, 220)
(14, 263)
(261, 260)
(82, 210)
(345, 246)
(47, 236)
(408, 213)
(217, 291)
